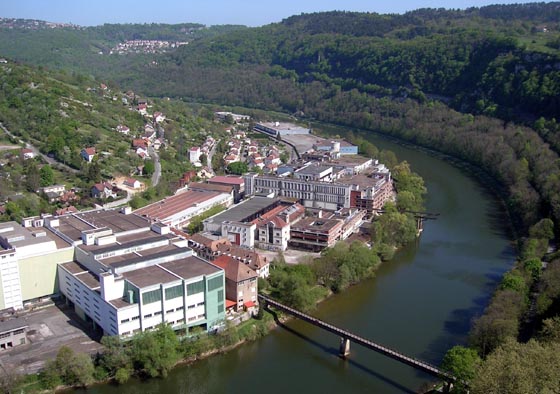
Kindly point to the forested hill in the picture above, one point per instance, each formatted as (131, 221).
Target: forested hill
(500, 60)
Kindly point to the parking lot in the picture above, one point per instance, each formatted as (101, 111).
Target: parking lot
(49, 329)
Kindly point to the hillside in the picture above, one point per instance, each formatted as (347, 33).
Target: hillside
(61, 114)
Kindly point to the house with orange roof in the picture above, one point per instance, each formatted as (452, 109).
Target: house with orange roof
(88, 154)
(241, 284)
(27, 153)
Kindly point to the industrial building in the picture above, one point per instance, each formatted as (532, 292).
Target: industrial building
(178, 210)
(317, 186)
(130, 274)
(278, 129)
(28, 259)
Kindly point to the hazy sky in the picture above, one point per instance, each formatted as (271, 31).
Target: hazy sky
(208, 12)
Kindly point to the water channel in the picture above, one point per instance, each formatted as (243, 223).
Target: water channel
(421, 304)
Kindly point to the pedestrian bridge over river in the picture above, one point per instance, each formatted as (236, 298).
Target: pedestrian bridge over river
(346, 337)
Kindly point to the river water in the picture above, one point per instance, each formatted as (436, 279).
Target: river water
(421, 303)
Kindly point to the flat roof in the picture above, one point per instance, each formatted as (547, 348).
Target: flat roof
(72, 225)
(316, 224)
(363, 181)
(18, 236)
(13, 324)
(123, 245)
(314, 169)
(74, 267)
(328, 141)
(172, 205)
(149, 276)
(210, 187)
(282, 126)
(143, 255)
(82, 274)
(190, 267)
(243, 210)
(351, 159)
(114, 219)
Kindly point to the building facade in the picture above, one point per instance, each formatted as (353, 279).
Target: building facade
(130, 274)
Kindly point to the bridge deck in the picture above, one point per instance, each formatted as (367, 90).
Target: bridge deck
(416, 363)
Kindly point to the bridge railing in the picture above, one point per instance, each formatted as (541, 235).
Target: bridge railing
(412, 361)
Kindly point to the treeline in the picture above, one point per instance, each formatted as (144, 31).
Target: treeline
(147, 355)
(513, 346)
(502, 67)
(497, 60)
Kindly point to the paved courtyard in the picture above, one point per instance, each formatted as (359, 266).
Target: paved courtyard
(291, 256)
(49, 329)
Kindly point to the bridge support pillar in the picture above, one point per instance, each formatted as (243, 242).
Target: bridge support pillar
(344, 350)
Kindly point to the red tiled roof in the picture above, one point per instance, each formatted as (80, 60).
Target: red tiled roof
(230, 304)
(174, 204)
(138, 143)
(90, 151)
(249, 304)
(232, 180)
(235, 270)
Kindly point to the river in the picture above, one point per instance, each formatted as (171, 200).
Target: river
(421, 303)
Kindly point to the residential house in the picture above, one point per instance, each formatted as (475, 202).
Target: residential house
(241, 284)
(54, 192)
(123, 129)
(67, 210)
(132, 183)
(27, 153)
(88, 154)
(142, 109)
(150, 135)
(140, 143)
(273, 158)
(205, 247)
(159, 117)
(157, 143)
(228, 159)
(103, 190)
(205, 173)
(186, 178)
(194, 154)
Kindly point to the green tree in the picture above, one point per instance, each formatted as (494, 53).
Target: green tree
(94, 171)
(238, 168)
(534, 267)
(155, 352)
(33, 179)
(116, 356)
(47, 175)
(149, 168)
(394, 228)
(513, 281)
(550, 331)
(516, 368)
(544, 229)
(462, 363)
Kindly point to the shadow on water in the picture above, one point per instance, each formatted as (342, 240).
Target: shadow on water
(334, 352)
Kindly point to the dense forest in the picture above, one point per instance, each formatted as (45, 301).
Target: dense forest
(481, 85)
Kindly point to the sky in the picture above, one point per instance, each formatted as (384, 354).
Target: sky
(209, 12)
